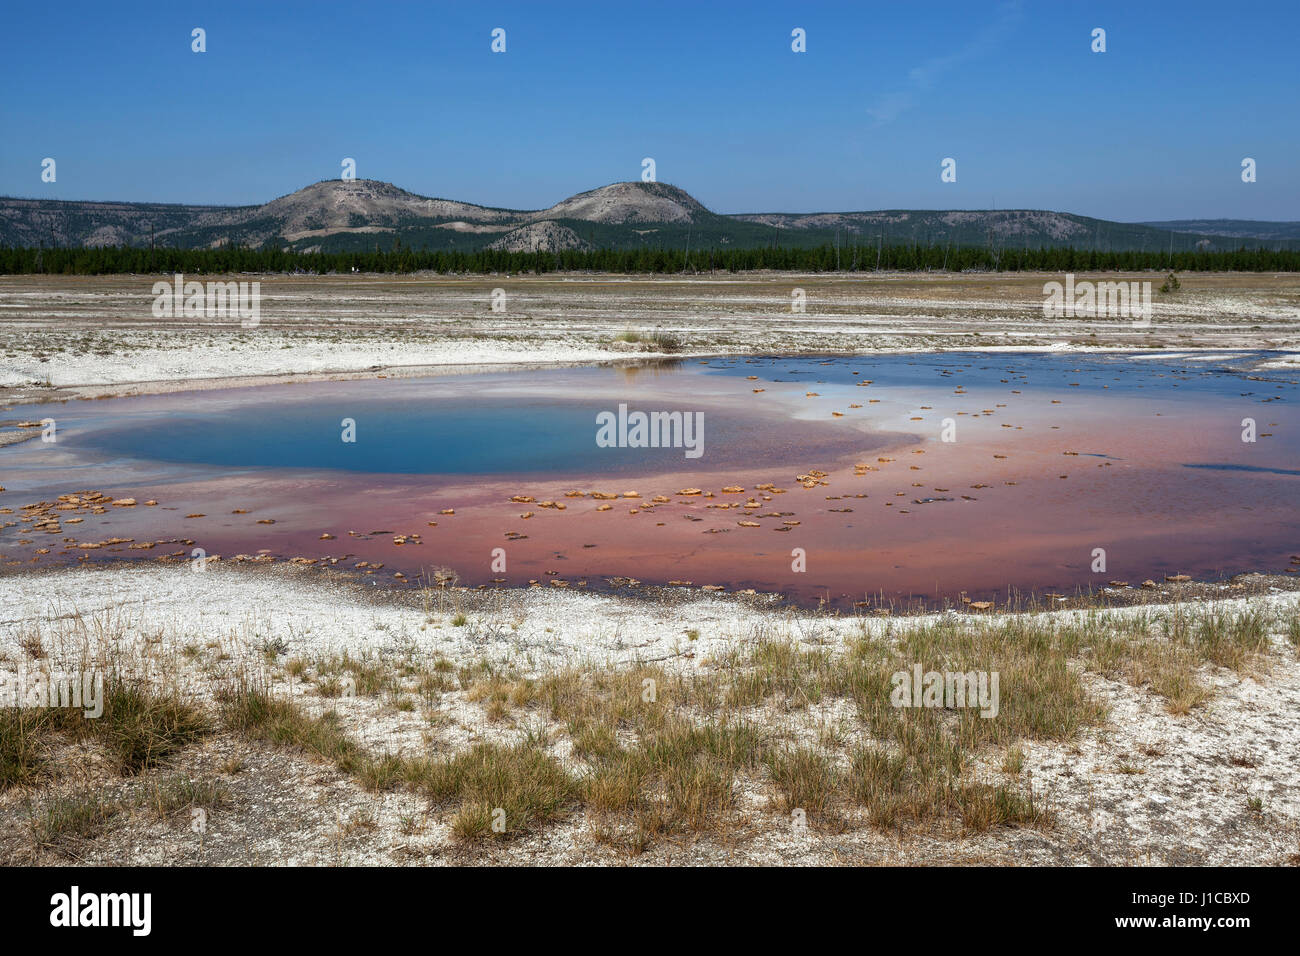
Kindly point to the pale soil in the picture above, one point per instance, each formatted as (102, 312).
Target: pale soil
(75, 335)
(1145, 788)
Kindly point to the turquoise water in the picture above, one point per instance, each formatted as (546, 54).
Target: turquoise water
(1057, 455)
(468, 426)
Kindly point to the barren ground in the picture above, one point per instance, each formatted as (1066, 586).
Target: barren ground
(1219, 784)
(74, 335)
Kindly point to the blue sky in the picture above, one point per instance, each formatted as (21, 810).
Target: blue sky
(1154, 128)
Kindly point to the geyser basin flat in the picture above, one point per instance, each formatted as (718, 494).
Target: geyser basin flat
(923, 476)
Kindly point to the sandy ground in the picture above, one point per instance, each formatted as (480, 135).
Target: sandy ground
(1145, 788)
(62, 336)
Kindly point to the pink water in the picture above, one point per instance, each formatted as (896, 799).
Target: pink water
(1023, 514)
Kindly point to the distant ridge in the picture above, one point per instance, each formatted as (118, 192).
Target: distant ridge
(1232, 228)
(361, 215)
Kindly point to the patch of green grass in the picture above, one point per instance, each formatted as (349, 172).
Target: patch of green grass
(367, 676)
(1177, 682)
(665, 342)
(24, 735)
(139, 726)
(913, 769)
(805, 778)
(1234, 640)
(381, 772)
(1014, 761)
(255, 713)
(658, 340)
(61, 819)
(1165, 649)
(498, 790)
(982, 807)
(779, 669)
(184, 792)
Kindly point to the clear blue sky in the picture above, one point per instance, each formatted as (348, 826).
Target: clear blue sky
(1155, 128)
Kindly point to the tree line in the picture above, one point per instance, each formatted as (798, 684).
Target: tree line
(116, 260)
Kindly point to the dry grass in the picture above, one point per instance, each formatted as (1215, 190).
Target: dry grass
(179, 792)
(657, 752)
(61, 819)
(253, 711)
(24, 739)
(496, 790)
(1166, 649)
(782, 723)
(142, 726)
(139, 727)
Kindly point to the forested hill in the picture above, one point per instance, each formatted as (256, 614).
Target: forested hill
(371, 216)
